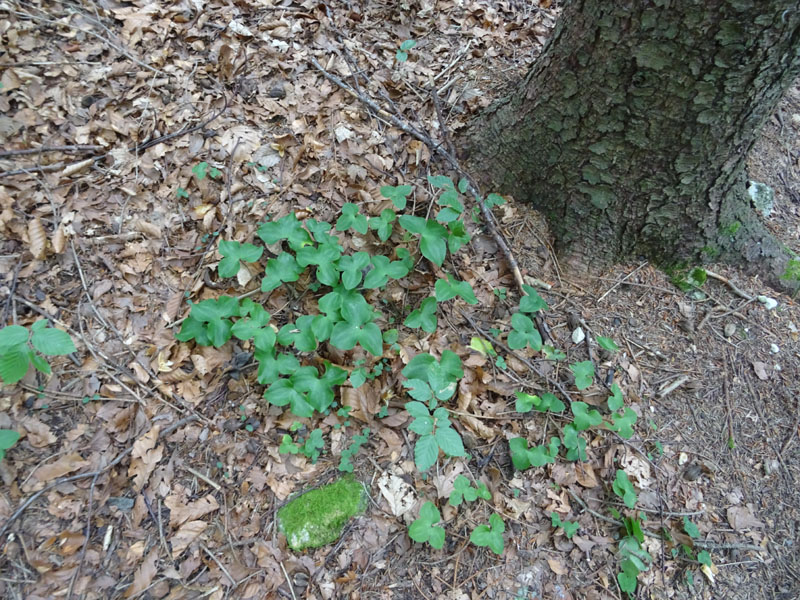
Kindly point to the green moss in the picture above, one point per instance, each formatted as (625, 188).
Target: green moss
(317, 517)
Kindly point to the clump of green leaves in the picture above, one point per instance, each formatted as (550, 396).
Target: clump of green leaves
(524, 457)
(435, 433)
(19, 347)
(311, 447)
(348, 453)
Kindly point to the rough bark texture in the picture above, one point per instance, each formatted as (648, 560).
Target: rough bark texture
(631, 130)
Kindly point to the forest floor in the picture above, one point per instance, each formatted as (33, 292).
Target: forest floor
(165, 453)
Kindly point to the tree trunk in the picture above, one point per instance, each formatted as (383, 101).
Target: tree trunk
(630, 132)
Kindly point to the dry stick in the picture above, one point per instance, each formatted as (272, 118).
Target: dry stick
(620, 282)
(730, 284)
(69, 148)
(61, 480)
(132, 149)
(427, 140)
(213, 557)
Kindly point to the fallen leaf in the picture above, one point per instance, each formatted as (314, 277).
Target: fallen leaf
(557, 566)
(145, 457)
(144, 574)
(180, 513)
(187, 533)
(742, 517)
(66, 464)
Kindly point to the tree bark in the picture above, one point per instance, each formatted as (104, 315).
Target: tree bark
(630, 132)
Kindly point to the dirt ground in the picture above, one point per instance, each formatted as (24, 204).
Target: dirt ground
(150, 468)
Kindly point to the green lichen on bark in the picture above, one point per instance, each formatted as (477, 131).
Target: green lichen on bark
(318, 517)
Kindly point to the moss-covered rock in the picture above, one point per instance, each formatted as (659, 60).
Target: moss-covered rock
(317, 517)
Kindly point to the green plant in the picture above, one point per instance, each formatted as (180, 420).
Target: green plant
(624, 489)
(607, 343)
(584, 374)
(490, 535)
(358, 440)
(424, 316)
(462, 490)
(524, 457)
(524, 333)
(634, 559)
(8, 437)
(435, 433)
(19, 347)
(311, 447)
(547, 402)
(570, 527)
(424, 529)
(402, 53)
(202, 169)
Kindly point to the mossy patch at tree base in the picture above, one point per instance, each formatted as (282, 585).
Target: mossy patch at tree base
(317, 517)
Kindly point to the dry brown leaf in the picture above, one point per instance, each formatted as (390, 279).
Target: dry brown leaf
(59, 241)
(37, 433)
(557, 566)
(584, 474)
(145, 457)
(66, 464)
(187, 533)
(37, 239)
(742, 517)
(144, 575)
(180, 513)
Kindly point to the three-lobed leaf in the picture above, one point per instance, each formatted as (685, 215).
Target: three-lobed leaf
(397, 194)
(424, 530)
(424, 316)
(233, 252)
(490, 535)
(524, 333)
(584, 374)
(450, 288)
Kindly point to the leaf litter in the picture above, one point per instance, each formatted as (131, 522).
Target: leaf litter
(160, 130)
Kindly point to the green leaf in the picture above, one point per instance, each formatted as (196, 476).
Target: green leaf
(40, 363)
(401, 56)
(457, 236)
(424, 316)
(432, 237)
(351, 268)
(8, 437)
(449, 441)
(450, 288)
(396, 194)
(383, 224)
(371, 339)
(524, 333)
(418, 389)
(351, 218)
(584, 374)
(13, 335)
(200, 170)
(615, 401)
(704, 558)
(622, 423)
(382, 270)
(426, 451)
(551, 353)
(533, 302)
(607, 343)
(408, 45)
(518, 448)
(585, 418)
(280, 270)
(690, 528)
(287, 446)
(233, 252)
(627, 578)
(285, 228)
(14, 364)
(423, 530)
(494, 200)
(490, 535)
(358, 377)
(441, 182)
(52, 342)
(482, 346)
(624, 489)
(282, 392)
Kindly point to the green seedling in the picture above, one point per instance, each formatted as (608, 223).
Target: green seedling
(532, 302)
(450, 288)
(424, 529)
(402, 53)
(202, 169)
(570, 527)
(490, 535)
(348, 453)
(462, 490)
(584, 418)
(397, 194)
(607, 343)
(352, 219)
(524, 333)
